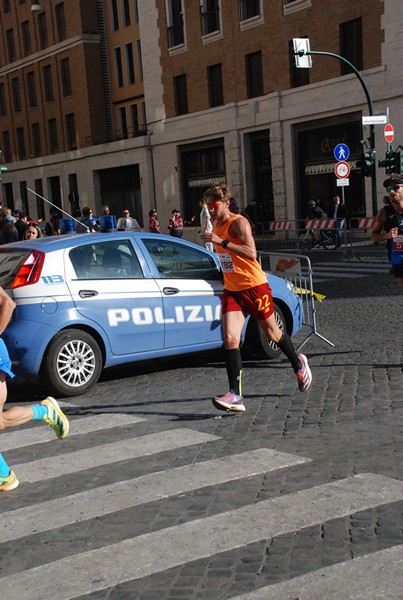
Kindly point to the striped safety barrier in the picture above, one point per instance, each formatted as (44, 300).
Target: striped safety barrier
(279, 225)
(320, 223)
(366, 222)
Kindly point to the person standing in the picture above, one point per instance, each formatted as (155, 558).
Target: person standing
(338, 213)
(48, 410)
(175, 224)
(154, 224)
(9, 233)
(246, 291)
(388, 225)
(21, 224)
(87, 220)
(206, 224)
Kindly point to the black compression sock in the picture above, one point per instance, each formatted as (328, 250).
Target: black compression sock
(286, 346)
(234, 370)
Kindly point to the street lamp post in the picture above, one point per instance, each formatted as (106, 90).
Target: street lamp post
(303, 50)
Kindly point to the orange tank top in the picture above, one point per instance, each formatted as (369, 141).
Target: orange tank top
(239, 273)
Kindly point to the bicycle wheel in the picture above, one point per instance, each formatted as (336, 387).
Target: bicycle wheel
(305, 241)
(329, 240)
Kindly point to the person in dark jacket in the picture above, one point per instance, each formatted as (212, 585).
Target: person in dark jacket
(9, 233)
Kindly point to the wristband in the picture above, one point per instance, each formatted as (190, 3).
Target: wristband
(224, 243)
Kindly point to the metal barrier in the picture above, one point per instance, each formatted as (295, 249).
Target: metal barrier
(297, 269)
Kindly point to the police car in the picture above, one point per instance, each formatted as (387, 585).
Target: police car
(85, 302)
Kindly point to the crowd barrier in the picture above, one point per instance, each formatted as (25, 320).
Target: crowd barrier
(297, 269)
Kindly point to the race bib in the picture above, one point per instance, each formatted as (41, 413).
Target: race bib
(397, 243)
(227, 266)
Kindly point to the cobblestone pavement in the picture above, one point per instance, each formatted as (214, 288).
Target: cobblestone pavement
(155, 495)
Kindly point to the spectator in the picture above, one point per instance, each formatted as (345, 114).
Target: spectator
(8, 233)
(206, 223)
(32, 232)
(52, 226)
(233, 206)
(175, 224)
(127, 222)
(88, 225)
(21, 225)
(154, 225)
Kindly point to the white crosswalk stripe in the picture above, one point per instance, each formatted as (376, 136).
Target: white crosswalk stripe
(98, 569)
(325, 271)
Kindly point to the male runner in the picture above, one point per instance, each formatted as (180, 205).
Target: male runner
(246, 291)
(48, 410)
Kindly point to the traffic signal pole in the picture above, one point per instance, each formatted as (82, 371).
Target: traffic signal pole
(370, 110)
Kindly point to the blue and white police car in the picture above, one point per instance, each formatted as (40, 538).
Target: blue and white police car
(85, 302)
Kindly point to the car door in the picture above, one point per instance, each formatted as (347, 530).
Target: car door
(108, 285)
(191, 285)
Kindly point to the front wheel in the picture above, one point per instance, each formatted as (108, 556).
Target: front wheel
(72, 363)
(260, 346)
(305, 241)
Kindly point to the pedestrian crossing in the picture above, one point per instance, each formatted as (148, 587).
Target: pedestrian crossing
(331, 271)
(113, 563)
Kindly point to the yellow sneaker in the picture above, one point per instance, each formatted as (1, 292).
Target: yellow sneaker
(9, 483)
(55, 418)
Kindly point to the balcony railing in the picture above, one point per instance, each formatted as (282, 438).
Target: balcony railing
(210, 21)
(176, 35)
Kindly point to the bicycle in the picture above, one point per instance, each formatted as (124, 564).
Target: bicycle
(327, 238)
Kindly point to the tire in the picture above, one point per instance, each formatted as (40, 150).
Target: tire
(305, 241)
(72, 363)
(329, 240)
(260, 346)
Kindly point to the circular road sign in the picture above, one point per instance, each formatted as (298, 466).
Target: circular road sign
(342, 169)
(389, 133)
(341, 152)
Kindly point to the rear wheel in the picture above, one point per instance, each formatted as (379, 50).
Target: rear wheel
(72, 363)
(259, 345)
(329, 240)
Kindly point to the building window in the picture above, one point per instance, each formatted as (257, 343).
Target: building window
(123, 133)
(40, 203)
(36, 139)
(71, 132)
(143, 117)
(48, 83)
(31, 89)
(210, 15)
(21, 2)
(15, 90)
(249, 9)
(3, 107)
(52, 133)
(298, 76)
(6, 147)
(115, 15)
(6, 6)
(254, 74)
(43, 31)
(118, 67)
(181, 96)
(139, 60)
(22, 154)
(126, 12)
(60, 22)
(134, 119)
(24, 196)
(10, 45)
(175, 23)
(66, 79)
(351, 45)
(26, 38)
(215, 87)
(136, 11)
(130, 63)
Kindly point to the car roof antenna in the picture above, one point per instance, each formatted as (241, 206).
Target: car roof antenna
(58, 208)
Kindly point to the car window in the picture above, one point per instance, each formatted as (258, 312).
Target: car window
(106, 260)
(174, 260)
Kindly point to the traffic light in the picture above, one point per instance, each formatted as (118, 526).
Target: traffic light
(3, 169)
(367, 162)
(393, 162)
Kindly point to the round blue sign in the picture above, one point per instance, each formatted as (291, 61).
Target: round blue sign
(341, 152)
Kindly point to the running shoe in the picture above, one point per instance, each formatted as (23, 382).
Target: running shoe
(304, 375)
(9, 483)
(55, 418)
(230, 401)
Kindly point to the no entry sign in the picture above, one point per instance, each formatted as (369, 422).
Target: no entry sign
(389, 133)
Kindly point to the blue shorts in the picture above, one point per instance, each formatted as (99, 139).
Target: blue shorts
(5, 362)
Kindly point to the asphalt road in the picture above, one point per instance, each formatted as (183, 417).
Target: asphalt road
(155, 495)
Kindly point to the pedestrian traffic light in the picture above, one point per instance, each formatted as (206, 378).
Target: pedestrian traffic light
(367, 162)
(393, 162)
